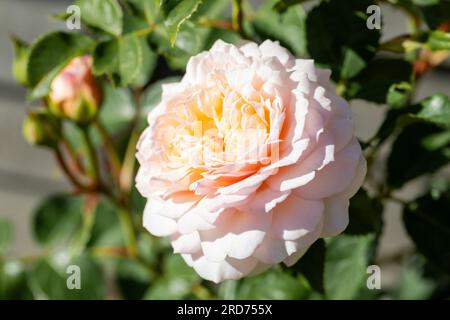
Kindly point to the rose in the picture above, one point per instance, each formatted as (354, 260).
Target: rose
(248, 160)
(74, 93)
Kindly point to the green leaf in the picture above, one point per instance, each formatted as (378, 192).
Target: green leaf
(211, 10)
(148, 9)
(150, 248)
(177, 281)
(57, 218)
(191, 40)
(412, 283)
(169, 289)
(365, 214)
(175, 267)
(106, 230)
(149, 59)
(427, 222)
(436, 109)
(103, 14)
(223, 34)
(19, 66)
(312, 264)
(133, 279)
(106, 58)
(374, 82)
(410, 157)
(352, 65)
(6, 235)
(176, 13)
(13, 281)
(346, 262)
(399, 94)
(271, 285)
(134, 23)
(283, 5)
(335, 26)
(130, 58)
(288, 27)
(49, 54)
(49, 279)
(439, 40)
(117, 109)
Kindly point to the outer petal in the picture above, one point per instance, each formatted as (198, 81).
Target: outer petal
(231, 269)
(296, 217)
(237, 235)
(334, 177)
(336, 207)
(157, 224)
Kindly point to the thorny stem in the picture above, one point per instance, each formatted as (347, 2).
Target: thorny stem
(126, 222)
(64, 167)
(238, 17)
(88, 222)
(113, 157)
(127, 172)
(219, 24)
(92, 156)
(74, 159)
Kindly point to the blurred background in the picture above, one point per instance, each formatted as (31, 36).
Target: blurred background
(27, 174)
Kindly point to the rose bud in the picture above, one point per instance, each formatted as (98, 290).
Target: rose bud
(248, 160)
(42, 128)
(74, 93)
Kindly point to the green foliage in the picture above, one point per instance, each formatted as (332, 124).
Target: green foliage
(346, 262)
(177, 12)
(13, 281)
(435, 109)
(106, 230)
(176, 282)
(364, 215)
(103, 14)
(56, 218)
(374, 82)
(399, 94)
(312, 265)
(411, 156)
(412, 283)
(427, 221)
(49, 277)
(118, 108)
(439, 40)
(338, 38)
(130, 58)
(133, 278)
(287, 27)
(19, 67)
(273, 285)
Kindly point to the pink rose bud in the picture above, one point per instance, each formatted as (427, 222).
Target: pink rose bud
(74, 92)
(42, 128)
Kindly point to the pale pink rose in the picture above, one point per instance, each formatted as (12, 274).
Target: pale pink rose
(74, 92)
(248, 160)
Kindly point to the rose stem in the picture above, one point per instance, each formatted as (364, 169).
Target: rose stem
(92, 157)
(113, 157)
